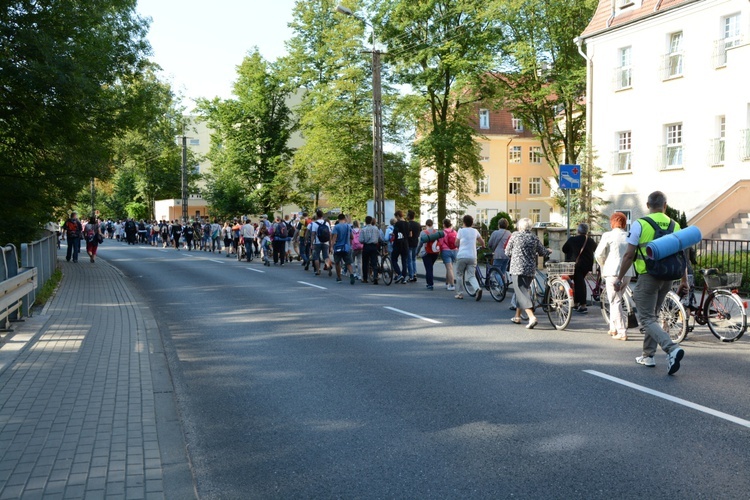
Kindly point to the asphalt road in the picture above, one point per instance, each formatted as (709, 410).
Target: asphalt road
(287, 390)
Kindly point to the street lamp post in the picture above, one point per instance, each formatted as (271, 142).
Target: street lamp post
(378, 178)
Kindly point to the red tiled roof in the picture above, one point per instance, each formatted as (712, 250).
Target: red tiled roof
(603, 20)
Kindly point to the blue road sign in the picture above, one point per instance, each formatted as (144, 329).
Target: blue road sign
(570, 176)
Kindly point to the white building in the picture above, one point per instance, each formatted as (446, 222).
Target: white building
(668, 96)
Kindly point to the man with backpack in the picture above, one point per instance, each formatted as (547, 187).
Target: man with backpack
(73, 230)
(653, 282)
(280, 237)
(320, 236)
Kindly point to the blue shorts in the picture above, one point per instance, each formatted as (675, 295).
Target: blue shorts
(448, 256)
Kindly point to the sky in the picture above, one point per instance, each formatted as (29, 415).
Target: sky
(200, 43)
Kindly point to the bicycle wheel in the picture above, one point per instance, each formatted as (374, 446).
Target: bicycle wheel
(726, 315)
(386, 270)
(240, 252)
(470, 290)
(673, 318)
(559, 303)
(626, 304)
(497, 285)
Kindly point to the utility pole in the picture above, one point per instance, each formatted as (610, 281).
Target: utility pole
(184, 181)
(378, 177)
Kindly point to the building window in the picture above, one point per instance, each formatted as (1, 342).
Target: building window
(673, 149)
(623, 74)
(483, 217)
(535, 214)
(627, 215)
(484, 153)
(514, 187)
(623, 155)
(194, 142)
(673, 59)
(535, 154)
(517, 124)
(514, 214)
(484, 119)
(731, 36)
(535, 186)
(515, 154)
(717, 145)
(483, 185)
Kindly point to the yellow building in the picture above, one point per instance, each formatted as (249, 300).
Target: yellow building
(516, 175)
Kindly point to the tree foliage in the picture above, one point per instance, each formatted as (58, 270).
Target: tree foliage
(542, 80)
(66, 80)
(442, 49)
(249, 146)
(326, 60)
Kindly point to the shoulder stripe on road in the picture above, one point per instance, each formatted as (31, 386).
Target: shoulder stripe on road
(310, 284)
(254, 270)
(679, 401)
(429, 320)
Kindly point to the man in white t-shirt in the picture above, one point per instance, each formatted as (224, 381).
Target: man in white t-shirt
(466, 258)
(248, 235)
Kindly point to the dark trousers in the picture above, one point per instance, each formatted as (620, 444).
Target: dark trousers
(370, 261)
(403, 252)
(279, 251)
(74, 246)
(579, 287)
(429, 263)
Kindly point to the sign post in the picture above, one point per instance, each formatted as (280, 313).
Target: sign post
(570, 178)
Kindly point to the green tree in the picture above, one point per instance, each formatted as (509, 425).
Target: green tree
(442, 50)
(496, 219)
(542, 80)
(249, 147)
(67, 75)
(326, 61)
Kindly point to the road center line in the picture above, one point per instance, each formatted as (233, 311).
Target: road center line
(254, 270)
(679, 401)
(429, 320)
(310, 284)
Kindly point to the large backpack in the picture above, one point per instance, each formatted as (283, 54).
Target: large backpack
(668, 268)
(431, 246)
(356, 245)
(323, 232)
(280, 231)
(289, 229)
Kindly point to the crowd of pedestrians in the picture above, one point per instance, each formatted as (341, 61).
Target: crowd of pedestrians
(353, 250)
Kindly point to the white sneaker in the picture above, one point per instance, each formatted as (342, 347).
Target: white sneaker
(620, 336)
(645, 361)
(451, 288)
(673, 360)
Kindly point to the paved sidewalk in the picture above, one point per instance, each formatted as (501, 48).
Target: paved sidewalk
(87, 406)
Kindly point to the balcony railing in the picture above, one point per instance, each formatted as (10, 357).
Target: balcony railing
(623, 78)
(673, 65)
(716, 152)
(745, 144)
(621, 162)
(670, 157)
(720, 49)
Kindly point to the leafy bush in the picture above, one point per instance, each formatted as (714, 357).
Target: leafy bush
(501, 215)
(726, 263)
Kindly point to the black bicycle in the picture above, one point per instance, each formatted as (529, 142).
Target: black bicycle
(491, 279)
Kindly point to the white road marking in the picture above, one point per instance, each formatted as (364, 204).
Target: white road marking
(254, 270)
(679, 401)
(310, 284)
(429, 320)
(214, 260)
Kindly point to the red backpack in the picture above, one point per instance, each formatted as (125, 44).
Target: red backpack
(432, 246)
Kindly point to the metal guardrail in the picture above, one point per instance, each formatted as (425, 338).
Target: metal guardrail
(42, 255)
(18, 285)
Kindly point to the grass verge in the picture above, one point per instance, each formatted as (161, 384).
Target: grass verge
(46, 292)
